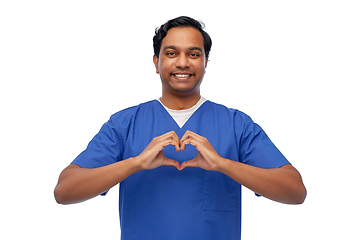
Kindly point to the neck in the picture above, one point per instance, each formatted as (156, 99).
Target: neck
(180, 102)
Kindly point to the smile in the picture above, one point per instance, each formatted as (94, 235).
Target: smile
(182, 75)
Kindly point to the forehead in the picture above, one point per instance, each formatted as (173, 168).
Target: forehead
(183, 37)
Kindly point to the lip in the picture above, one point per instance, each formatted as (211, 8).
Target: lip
(182, 75)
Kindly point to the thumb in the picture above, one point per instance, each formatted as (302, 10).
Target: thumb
(172, 163)
(190, 163)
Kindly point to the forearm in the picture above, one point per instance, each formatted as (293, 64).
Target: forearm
(279, 184)
(78, 184)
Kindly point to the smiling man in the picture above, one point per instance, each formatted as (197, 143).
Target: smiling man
(180, 160)
(181, 64)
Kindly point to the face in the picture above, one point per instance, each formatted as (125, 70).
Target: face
(182, 62)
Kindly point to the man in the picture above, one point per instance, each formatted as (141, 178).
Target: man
(180, 160)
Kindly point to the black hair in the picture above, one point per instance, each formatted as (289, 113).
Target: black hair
(182, 21)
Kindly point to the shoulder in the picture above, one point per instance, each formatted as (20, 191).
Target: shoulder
(131, 111)
(127, 115)
(231, 113)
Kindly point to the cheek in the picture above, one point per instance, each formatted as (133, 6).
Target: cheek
(200, 68)
(200, 65)
(164, 66)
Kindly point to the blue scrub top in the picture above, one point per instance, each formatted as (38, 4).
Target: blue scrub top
(165, 203)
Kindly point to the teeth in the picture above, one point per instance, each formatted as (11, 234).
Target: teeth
(182, 75)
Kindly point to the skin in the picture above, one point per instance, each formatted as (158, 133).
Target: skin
(181, 53)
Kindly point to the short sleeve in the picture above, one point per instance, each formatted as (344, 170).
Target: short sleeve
(256, 148)
(104, 149)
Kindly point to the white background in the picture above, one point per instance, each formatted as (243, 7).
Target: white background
(66, 66)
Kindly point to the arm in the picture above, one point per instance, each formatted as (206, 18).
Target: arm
(279, 184)
(282, 184)
(78, 184)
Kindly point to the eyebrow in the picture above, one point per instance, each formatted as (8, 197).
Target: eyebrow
(196, 48)
(190, 48)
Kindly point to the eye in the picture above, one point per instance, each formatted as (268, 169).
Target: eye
(194, 55)
(170, 54)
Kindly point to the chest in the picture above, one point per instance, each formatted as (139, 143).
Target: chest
(207, 122)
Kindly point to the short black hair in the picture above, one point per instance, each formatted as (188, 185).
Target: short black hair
(182, 21)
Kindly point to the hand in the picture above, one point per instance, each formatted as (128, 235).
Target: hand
(153, 156)
(207, 158)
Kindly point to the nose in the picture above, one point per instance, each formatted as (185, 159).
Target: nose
(182, 61)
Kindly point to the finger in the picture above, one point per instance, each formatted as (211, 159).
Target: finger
(190, 135)
(177, 141)
(191, 138)
(172, 163)
(174, 140)
(169, 138)
(186, 135)
(184, 143)
(186, 139)
(190, 163)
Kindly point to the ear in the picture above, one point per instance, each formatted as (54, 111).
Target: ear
(206, 61)
(156, 63)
